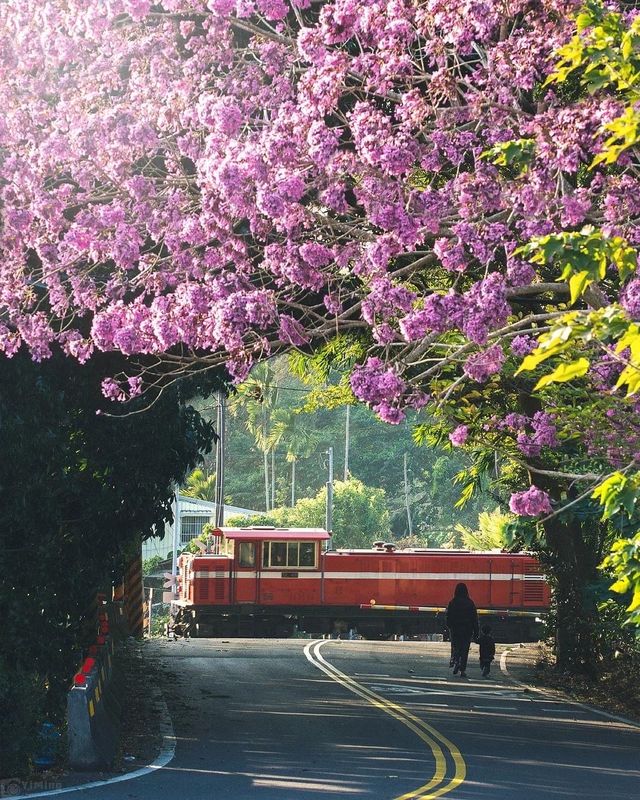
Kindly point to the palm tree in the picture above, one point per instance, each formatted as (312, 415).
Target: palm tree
(201, 484)
(257, 397)
(300, 440)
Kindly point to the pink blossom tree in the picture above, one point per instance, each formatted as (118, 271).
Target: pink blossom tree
(211, 183)
(214, 182)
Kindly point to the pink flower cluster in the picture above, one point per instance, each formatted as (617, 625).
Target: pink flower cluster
(381, 387)
(531, 503)
(233, 178)
(481, 366)
(533, 433)
(459, 436)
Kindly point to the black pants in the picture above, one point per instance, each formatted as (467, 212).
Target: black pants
(485, 665)
(461, 644)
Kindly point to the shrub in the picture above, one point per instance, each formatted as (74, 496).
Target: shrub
(22, 696)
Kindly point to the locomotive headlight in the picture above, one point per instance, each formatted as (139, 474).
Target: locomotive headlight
(372, 602)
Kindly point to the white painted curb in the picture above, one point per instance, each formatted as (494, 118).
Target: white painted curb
(165, 755)
(562, 698)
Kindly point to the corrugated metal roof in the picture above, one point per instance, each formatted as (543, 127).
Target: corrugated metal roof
(199, 507)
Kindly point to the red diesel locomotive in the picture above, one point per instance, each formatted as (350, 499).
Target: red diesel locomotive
(275, 582)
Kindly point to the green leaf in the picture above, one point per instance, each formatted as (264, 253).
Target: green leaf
(578, 283)
(624, 257)
(621, 586)
(564, 372)
(465, 495)
(609, 493)
(630, 376)
(584, 20)
(635, 602)
(551, 344)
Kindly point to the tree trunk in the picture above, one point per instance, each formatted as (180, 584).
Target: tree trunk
(347, 437)
(569, 550)
(266, 479)
(573, 554)
(293, 483)
(273, 478)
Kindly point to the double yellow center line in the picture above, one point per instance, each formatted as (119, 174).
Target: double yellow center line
(449, 767)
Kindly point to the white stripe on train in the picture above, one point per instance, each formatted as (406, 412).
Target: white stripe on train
(368, 576)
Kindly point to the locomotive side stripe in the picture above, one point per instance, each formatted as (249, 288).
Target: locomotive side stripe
(382, 576)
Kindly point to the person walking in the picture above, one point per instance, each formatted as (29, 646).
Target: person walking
(462, 621)
(487, 649)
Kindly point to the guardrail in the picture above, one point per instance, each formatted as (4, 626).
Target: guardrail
(93, 707)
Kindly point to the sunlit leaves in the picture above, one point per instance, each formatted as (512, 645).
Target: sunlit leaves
(624, 562)
(618, 492)
(553, 343)
(606, 54)
(607, 327)
(624, 134)
(629, 344)
(582, 256)
(605, 51)
(517, 152)
(564, 372)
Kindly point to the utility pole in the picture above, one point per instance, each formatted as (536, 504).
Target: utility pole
(273, 477)
(329, 519)
(346, 444)
(150, 609)
(220, 425)
(176, 543)
(406, 495)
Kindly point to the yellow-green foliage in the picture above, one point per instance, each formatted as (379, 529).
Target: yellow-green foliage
(360, 515)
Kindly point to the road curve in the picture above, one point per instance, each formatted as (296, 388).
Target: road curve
(284, 719)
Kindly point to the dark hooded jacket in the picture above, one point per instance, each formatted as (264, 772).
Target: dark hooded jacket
(487, 647)
(462, 616)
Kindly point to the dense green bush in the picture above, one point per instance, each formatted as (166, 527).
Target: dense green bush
(77, 490)
(159, 622)
(150, 565)
(21, 701)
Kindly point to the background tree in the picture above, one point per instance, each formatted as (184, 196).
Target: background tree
(258, 397)
(359, 515)
(291, 429)
(491, 533)
(78, 489)
(377, 451)
(200, 484)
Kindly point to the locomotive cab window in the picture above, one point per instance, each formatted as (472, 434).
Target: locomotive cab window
(288, 554)
(247, 554)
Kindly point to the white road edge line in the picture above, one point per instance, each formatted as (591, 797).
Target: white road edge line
(429, 705)
(503, 667)
(165, 755)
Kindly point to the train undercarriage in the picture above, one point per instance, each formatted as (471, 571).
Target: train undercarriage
(340, 622)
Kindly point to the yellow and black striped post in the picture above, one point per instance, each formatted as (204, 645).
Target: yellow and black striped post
(134, 595)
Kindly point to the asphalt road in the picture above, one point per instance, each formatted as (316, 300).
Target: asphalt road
(274, 720)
